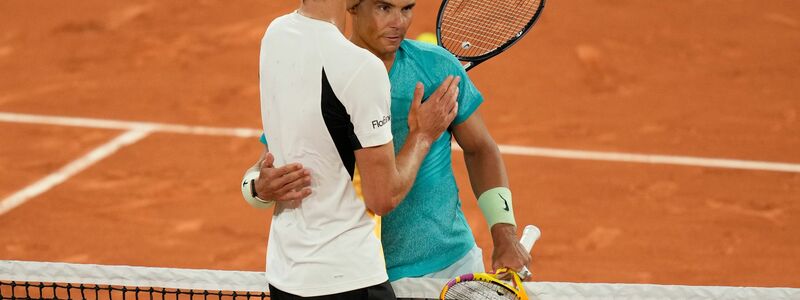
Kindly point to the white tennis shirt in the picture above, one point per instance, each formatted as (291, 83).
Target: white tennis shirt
(322, 98)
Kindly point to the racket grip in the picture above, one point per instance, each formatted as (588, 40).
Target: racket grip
(524, 273)
(529, 236)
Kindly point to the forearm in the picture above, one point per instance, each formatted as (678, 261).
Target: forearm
(487, 172)
(386, 178)
(486, 169)
(409, 160)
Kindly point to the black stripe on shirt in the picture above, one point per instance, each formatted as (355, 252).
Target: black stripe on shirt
(337, 120)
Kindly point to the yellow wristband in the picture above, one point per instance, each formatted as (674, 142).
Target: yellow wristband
(497, 207)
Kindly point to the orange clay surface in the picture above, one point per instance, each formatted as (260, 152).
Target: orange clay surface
(707, 78)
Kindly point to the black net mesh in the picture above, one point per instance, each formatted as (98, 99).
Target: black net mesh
(49, 290)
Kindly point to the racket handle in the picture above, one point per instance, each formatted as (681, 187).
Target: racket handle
(524, 273)
(529, 236)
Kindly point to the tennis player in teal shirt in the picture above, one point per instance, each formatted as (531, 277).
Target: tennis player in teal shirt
(427, 234)
(429, 222)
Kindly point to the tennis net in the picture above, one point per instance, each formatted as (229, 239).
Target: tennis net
(41, 280)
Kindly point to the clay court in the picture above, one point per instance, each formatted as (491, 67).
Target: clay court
(703, 80)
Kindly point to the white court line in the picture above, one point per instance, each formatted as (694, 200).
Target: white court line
(650, 159)
(505, 149)
(127, 125)
(74, 167)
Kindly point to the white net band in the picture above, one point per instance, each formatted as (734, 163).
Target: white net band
(415, 288)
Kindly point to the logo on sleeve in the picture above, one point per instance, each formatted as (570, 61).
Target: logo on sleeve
(381, 122)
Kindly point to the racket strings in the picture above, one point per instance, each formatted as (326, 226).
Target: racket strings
(470, 41)
(471, 28)
(492, 30)
(469, 290)
(499, 21)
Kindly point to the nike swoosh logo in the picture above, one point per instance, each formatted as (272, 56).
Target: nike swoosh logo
(506, 202)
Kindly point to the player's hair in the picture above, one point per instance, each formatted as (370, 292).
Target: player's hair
(353, 7)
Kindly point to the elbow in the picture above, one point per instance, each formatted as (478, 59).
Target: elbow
(383, 209)
(381, 212)
(382, 201)
(383, 205)
(393, 204)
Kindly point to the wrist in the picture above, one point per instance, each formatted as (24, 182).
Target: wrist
(497, 207)
(420, 138)
(503, 233)
(249, 190)
(254, 192)
(254, 187)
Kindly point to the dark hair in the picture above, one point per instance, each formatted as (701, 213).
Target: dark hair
(354, 6)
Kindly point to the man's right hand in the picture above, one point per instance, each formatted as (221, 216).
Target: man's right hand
(431, 118)
(287, 183)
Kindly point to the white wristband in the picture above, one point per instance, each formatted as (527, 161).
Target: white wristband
(249, 190)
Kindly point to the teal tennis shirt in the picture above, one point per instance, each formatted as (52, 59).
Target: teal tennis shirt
(427, 232)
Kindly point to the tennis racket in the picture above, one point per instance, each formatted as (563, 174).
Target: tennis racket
(477, 30)
(489, 286)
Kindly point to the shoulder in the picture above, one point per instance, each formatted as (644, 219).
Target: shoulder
(423, 48)
(355, 72)
(351, 57)
(360, 63)
(344, 62)
(284, 19)
(279, 24)
(427, 51)
(368, 61)
(430, 59)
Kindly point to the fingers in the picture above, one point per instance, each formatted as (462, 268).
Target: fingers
(451, 103)
(296, 184)
(290, 178)
(451, 96)
(289, 182)
(451, 91)
(444, 99)
(454, 83)
(515, 265)
(512, 256)
(295, 195)
(433, 116)
(452, 114)
(268, 161)
(442, 89)
(419, 91)
(273, 173)
(504, 276)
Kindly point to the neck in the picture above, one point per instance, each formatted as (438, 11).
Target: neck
(387, 58)
(331, 11)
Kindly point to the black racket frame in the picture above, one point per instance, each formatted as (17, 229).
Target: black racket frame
(474, 61)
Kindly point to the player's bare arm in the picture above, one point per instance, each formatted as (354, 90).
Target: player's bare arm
(487, 171)
(385, 180)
